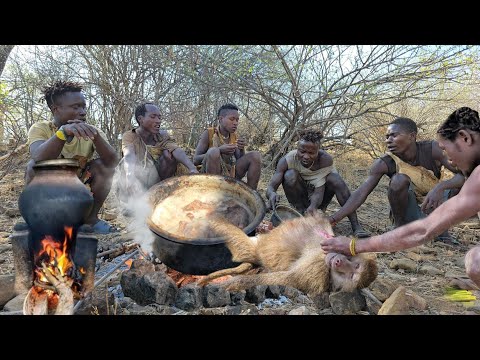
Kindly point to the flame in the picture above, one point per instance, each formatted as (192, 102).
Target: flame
(56, 254)
(129, 263)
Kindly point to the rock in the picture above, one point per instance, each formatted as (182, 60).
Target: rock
(347, 303)
(215, 296)
(400, 302)
(382, 288)
(321, 301)
(189, 297)
(7, 291)
(256, 294)
(430, 270)
(413, 256)
(404, 263)
(302, 310)
(15, 304)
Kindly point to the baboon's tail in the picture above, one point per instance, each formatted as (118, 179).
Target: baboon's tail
(243, 282)
(239, 244)
(240, 269)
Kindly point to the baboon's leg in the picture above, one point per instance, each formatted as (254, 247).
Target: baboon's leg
(240, 269)
(243, 282)
(239, 244)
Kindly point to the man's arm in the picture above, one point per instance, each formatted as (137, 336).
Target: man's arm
(106, 152)
(46, 149)
(358, 197)
(451, 212)
(201, 149)
(182, 158)
(435, 196)
(275, 182)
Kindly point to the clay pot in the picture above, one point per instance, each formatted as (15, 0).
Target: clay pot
(55, 198)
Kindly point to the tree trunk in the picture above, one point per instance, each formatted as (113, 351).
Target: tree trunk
(4, 52)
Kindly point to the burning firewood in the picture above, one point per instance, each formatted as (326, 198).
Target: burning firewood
(36, 302)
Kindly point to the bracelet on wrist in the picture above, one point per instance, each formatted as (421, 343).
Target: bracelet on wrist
(60, 133)
(352, 246)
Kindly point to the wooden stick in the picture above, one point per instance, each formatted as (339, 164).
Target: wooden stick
(372, 297)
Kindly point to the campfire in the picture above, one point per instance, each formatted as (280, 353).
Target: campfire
(57, 280)
(54, 270)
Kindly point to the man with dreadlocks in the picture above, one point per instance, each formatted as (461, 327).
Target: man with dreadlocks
(69, 136)
(310, 180)
(220, 151)
(459, 137)
(414, 168)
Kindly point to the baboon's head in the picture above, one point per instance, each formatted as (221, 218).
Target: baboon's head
(349, 273)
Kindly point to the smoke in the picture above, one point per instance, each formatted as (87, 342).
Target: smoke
(140, 209)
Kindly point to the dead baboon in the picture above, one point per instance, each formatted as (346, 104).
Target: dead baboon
(292, 256)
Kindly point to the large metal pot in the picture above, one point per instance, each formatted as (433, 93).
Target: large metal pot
(197, 256)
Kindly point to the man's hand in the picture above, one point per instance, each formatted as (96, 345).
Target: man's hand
(80, 129)
(167, 154)
(227, 149)
(272, 201)
(340, 244)
(241, 143)
(433, 199)
(311, 211)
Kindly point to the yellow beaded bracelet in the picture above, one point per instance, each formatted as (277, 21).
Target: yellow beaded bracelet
(352, 246)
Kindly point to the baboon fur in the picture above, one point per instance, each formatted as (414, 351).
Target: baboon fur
(291, 255)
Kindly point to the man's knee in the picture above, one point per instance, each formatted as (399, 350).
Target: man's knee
(255, 157)
(98, 169)
(29, 172)
(213, 154)
(472, 264)
(291, 177)
(398, 183)
(335, 181)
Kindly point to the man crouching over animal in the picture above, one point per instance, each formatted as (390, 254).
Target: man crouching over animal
(292, 256)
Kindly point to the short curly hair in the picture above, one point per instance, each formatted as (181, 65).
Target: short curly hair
(226, 107)
(56, 90)
(462, 118)
(141, 109)
(312, 136)
(406, 124)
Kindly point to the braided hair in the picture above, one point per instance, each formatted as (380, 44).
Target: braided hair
(56, 90)
(462, 118)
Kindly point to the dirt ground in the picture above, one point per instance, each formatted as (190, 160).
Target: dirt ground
(373, 215)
